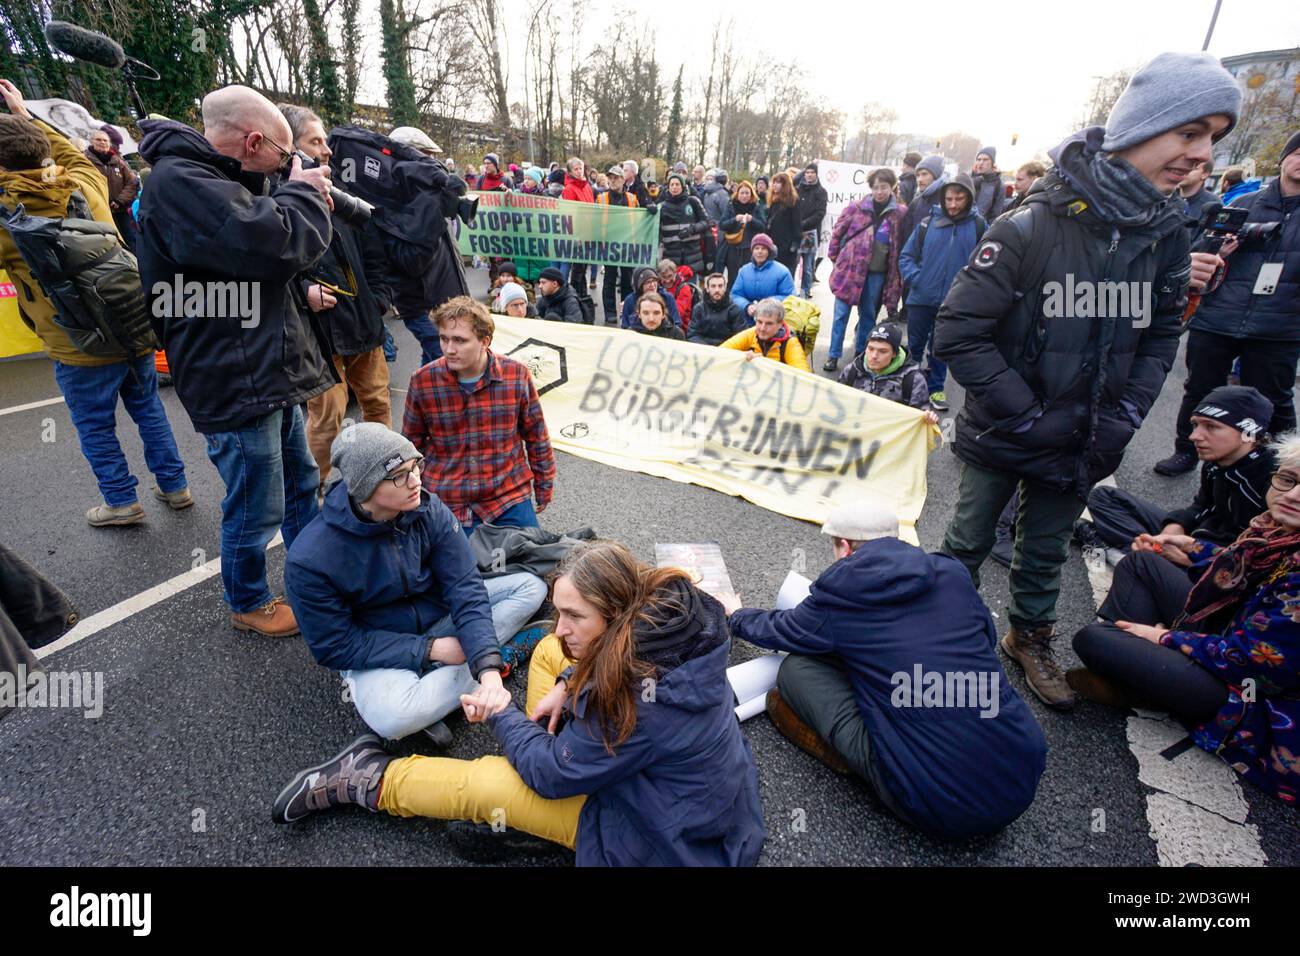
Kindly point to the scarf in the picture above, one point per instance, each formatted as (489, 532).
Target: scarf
(1261, 553)
(1111, 186)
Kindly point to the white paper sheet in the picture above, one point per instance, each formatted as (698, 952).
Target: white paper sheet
(794, 589)
(750, 682)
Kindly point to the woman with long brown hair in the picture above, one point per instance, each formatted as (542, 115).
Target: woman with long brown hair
(630, 754)
(783, 223)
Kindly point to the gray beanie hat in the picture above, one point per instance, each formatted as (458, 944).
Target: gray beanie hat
(511, 292)
(990, 151)
(932, 164)
(1173, 89)
(365, 453)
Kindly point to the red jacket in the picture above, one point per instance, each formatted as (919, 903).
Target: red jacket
(578, 190)
(685, 294)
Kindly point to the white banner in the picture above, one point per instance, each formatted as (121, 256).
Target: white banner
(71, 119)
(845, 184)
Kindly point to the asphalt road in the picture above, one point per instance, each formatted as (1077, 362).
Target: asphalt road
(202, 725)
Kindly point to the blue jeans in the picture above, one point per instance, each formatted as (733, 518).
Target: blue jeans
(395, 703)
(390, 345)
(809, 260)
(868, 308)
(92, 393)
(522, 515)
(920, 328)
(271, 481)
(426, 333)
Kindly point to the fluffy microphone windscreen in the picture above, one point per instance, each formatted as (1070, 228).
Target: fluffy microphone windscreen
(82, 44)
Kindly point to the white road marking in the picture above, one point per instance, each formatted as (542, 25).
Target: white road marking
(133, 605)
(13, 410)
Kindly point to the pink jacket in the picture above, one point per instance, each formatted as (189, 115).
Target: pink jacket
(852, 239)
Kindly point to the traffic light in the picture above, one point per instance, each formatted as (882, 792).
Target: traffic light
(1014, 137)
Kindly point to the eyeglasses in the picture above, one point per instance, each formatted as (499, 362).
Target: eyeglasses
(286, 156)
(1283, 481)
(403, 478)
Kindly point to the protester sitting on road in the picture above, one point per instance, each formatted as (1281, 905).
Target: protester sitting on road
(1227, 663)
(1228, 434)
(508, 271)
(770, 337)
(651, 318)
(557, 301)
(716, 318)
(678, 283)
(883, 629)
(512, 300)
(41, 169)
(475, 417)
(761, 278)
(647, 280)
(885, 369)
(596, 762)
(385, 588)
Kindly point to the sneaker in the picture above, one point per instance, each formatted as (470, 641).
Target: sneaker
(831, 365)
(271, 620)
(479, 843)
(939, 401)
(516, 651)
(176, 500)
(1031, 648)
(439, 733)
(1179, 463)
(350, 777)
(800, 734)
(102, 516)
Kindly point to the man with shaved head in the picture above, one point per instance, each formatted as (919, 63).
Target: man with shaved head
(230, 227)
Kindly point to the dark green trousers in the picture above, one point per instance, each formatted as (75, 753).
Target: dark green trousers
(1044, 524)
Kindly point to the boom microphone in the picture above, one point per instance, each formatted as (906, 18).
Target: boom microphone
(82, 44)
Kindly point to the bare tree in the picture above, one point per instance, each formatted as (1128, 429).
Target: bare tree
(485, 23)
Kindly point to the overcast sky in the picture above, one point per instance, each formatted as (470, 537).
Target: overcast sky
(991, 69)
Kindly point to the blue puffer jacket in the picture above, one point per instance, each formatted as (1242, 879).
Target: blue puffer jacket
(1233, 308)
(754, 283)
(929, 271)
(683, 789)
(886, 611)
(366, 593)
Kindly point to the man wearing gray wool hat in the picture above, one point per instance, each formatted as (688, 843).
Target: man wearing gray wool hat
(385, 588)
(1055, 390)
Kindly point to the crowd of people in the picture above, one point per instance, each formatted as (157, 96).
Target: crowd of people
(416, 564)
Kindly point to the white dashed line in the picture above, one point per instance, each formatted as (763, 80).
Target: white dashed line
(14, 409)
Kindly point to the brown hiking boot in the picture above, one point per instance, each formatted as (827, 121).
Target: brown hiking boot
(1032, 650)
(274, 620)
(1101, 690)
(176, 500)
(800, 734)
(102, 516)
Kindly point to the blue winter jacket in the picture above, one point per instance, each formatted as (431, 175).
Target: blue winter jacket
(929, 272)
(1233, 308)
(366, 593)
(754, 283)
(888, 610)
(683, 789)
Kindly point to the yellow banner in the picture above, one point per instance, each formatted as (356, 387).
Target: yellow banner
(15, 337)
(785, 439)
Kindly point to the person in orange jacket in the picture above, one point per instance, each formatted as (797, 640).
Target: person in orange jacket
(770, 337)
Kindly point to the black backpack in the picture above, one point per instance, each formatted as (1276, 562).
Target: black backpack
(90, 278)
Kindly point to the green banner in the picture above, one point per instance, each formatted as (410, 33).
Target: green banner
(526, 226)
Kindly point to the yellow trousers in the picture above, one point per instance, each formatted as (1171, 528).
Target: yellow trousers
(486, 790)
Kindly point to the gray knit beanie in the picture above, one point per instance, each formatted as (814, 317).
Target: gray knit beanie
(932, 164)
(365, 453)
(990, 151)
(1173, 89)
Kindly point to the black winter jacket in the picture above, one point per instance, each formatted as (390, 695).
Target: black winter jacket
(1233, 308)
(906, 188)
(563, 306)
(812, 204)
(203, 219)
(682, 220)
(713, 325)
(1228, 498)
(784, 228)
(1050, 398)
(356, 323)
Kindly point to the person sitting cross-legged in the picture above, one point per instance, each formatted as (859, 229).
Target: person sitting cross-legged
(885, 369)
(893, 676)
(385, 589)
(770, 337)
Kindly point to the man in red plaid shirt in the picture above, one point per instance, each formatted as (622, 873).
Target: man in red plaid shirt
(475, 417)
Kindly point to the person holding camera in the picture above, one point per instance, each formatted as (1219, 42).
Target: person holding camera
(349, 291)
(1250, 308)
(228, 239)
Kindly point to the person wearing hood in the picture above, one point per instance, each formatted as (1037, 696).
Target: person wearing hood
(406, 618)
(123, 183)
(222, 211)
(1054, 391)
(595, 762)
(652, 318)
(864, 687)
(490, 178)
(761, 278)
(714, 196)
(40, 169)
(884, 369)
(744, 220)
(716, 318)
(865, 250)
(812, 210)
(770, 337)
(647, 281)
(556, 300)
(989, 191)
(933, 256)
(907, 178)
(682, 221)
